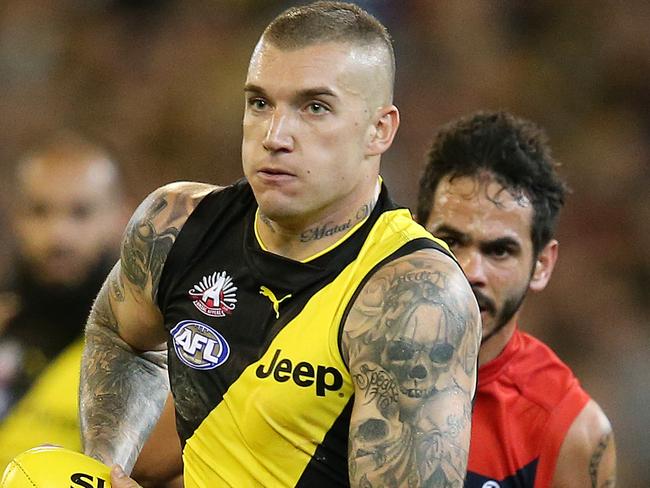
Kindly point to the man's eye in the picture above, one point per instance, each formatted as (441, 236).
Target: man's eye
(317, 108)
(257, 103)
(81, 212)
(38, 210)
(500, 252)
(450, 241)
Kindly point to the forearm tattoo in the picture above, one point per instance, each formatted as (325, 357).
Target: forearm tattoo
(412, 339)
(594, 464)
(122, 391)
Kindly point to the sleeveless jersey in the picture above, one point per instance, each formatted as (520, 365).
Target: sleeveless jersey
(527, 399)
(262, 394)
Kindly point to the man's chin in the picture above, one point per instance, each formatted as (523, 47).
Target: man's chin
(490, 326)
(487, 319)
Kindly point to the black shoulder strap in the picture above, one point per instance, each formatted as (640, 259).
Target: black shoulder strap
(214, 214)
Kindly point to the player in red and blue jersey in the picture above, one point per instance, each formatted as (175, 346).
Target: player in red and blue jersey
(490, 190)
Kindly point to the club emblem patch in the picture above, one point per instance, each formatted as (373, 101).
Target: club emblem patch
(198, 345)
(215, 295)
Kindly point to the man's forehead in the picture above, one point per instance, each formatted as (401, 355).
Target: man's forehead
(480, 207)
(343, 61)
(90, 178)
(484, 188)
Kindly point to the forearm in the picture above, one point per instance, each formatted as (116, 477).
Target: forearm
(122, 391)
(429, 448)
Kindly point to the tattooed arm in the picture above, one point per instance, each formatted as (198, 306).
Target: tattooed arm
(587, 457)
(123, 373)
(411, 341)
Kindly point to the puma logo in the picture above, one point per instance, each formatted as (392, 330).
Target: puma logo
(271, 296)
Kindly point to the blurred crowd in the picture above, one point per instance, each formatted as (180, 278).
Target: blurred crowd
(159, 83)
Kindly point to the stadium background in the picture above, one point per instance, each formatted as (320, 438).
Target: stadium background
(160, 82)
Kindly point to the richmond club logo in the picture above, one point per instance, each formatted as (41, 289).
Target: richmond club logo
(214, 295)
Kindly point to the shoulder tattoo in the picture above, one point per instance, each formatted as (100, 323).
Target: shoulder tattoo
(412, 341)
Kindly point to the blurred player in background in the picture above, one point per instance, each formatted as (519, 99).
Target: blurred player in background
(490, 190)
(315, 334)
(67, 211)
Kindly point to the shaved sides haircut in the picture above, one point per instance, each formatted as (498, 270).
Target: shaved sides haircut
(323, 22)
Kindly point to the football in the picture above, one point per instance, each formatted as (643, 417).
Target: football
(55, 467)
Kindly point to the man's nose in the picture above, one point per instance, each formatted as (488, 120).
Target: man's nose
(278, 135)
(473, 265)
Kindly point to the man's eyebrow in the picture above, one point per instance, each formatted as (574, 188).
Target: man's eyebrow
(451, 231)
(502, 242)
(302, 94)
(249, 87)
(448, 230)
(317, 92)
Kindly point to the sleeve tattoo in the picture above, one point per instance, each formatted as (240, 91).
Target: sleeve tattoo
(412, 345)
(122, 389)
(145, 249)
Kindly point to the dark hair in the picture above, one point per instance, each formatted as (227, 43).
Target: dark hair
(512, 149)
(326, 21)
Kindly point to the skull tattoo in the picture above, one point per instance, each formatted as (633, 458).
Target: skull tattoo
(416, 352)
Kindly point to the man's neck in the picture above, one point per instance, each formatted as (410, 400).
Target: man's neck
(305, 241)
(494, 345)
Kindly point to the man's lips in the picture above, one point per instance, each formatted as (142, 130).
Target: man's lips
(275, 174)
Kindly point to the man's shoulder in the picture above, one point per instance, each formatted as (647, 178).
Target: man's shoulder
(170, 204)
(535, 354)
(182, 191)
(540, 375)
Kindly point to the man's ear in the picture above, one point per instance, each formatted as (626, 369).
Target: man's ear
(383, 131)
(544, 266)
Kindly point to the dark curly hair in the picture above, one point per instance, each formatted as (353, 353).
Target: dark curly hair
(513, 149)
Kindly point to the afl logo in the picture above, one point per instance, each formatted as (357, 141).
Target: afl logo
(490, 484)
(214, 295)
(199, 345)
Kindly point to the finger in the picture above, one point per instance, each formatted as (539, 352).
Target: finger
(119, 479)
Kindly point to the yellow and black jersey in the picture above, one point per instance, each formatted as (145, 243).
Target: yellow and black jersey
(263, 396)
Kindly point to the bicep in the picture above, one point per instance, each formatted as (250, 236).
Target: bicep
(132, 286)
(138, 321)
(587, 457)
(411, 340)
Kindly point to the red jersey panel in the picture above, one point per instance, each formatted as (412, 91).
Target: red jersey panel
(527, 399)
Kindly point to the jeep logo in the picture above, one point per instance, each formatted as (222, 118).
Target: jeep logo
(303, 374)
